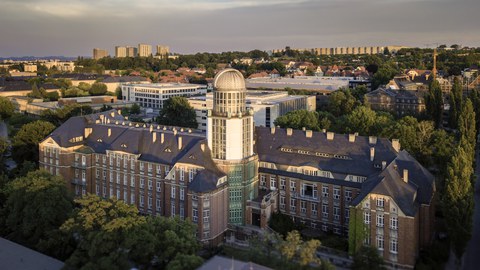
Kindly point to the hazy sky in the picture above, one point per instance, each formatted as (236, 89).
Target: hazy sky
(75, 27)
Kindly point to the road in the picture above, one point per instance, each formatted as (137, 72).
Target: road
(471, 259)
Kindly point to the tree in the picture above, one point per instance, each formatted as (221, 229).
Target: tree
(118, 93)
(52, 96)
(135, 109)
(294, 248)
(357, 231)
(467, 129)
(178, 112)
(98, 89)
(298, 119)
(384, 74)
(367, 258)
(35, 207)
(361, 120)
(6, 108)
(110, 233)
(434, 103)
(25, 142)
(456, 96)
(101, 228)
(35, 92)
(458, 201)
(341, 102)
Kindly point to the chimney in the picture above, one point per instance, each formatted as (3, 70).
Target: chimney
(405, 176)
(324, 130)
(289, 131)
(272, 130)
(119, 112)
(112, 114)
(189, 130)
(162, 137)
(151, 128)
(109, 132)
(303, 129)
(351, 137)
(372, 153)
(87, 132)
(202, 146)
(102, 118)
(154, 137)
(308, 133)
(174, 131)
(330, 136)
(384, 165)
(396, 144)
(179, 143)
(372, 140)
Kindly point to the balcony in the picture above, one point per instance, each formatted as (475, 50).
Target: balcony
(79, 165)
(77, 181)
(305, 197)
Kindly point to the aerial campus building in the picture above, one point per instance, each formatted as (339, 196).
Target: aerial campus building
(237, 174)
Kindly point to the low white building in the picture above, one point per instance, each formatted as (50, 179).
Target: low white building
(152, 96)
(266, 106)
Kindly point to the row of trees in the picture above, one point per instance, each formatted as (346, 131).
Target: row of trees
(457, 200)
(92, 233)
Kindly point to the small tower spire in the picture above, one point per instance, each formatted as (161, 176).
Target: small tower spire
(434, 69)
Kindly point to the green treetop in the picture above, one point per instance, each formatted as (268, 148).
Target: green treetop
(178, 112)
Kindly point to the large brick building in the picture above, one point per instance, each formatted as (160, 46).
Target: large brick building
(238, 175)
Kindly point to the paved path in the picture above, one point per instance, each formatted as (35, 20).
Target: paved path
(471, 258)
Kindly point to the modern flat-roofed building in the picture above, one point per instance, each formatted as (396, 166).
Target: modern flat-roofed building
(237, 174)
(153, 95)
(120, 51)
(163, 50)
(132, 51)
(144, 50)
(266, 106)
(99, 53)
(30, 67)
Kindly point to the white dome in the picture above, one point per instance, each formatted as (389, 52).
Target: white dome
(229, 79)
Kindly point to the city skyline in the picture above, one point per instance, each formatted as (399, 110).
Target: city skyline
(51, 27)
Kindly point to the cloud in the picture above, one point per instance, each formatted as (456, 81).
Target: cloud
(74, 27)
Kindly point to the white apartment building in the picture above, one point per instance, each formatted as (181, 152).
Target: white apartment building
(144, 50)
(120, 51)
(154, 94)
(267, 106)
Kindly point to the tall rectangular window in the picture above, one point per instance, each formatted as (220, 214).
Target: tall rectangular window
(379, 220)
(380, 243)
(394, 223)
(366, 217)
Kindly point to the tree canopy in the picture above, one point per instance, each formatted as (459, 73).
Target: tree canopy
(177, 112)
(6, 108)
(298, 120)
(35, 207)
(25, 142)
(110, 233)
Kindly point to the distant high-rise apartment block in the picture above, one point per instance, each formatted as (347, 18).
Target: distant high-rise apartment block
(162, 50)
(346, 50)
(99, 53)
(132, 51)
(120, 51)
(144, 50)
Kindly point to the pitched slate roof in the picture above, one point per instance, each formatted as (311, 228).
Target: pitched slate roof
(140, 140)
(408, 195)
(269, 148)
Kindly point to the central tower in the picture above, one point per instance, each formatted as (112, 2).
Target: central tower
(230, 137)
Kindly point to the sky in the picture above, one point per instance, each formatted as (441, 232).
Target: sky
(75, 27)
